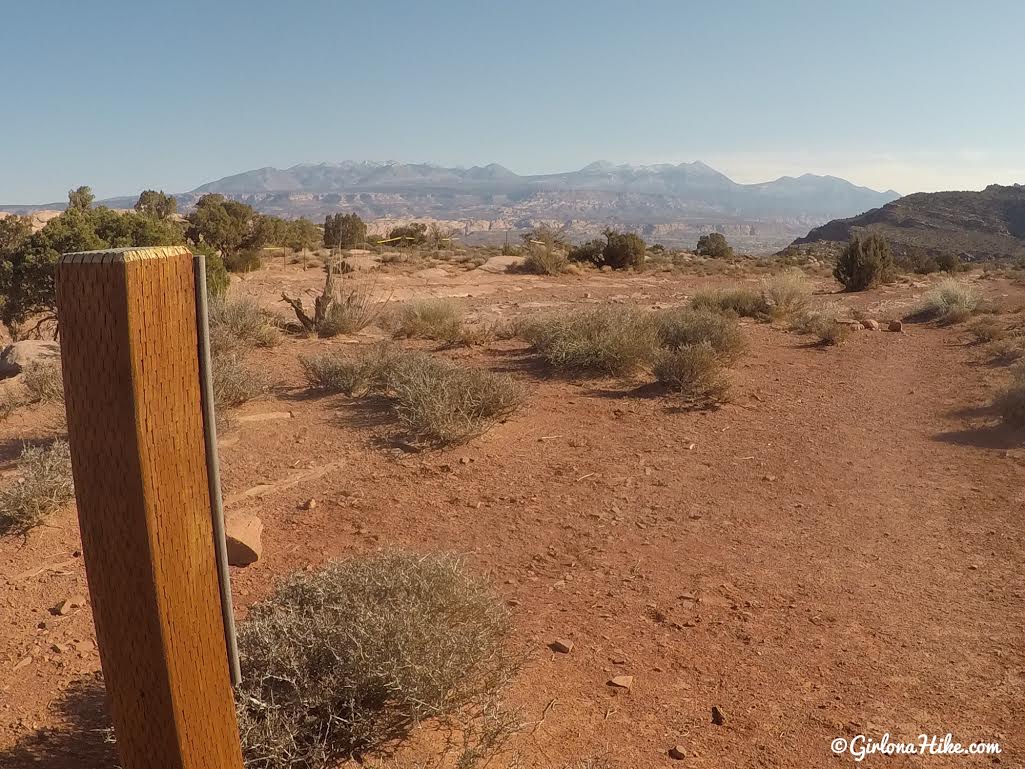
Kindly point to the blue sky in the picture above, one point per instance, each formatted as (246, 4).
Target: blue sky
(910, 95)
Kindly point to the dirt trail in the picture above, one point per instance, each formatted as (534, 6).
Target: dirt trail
(838, 552)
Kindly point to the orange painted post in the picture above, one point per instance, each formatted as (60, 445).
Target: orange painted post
(128, 335)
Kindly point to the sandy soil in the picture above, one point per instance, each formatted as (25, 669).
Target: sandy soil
(837, 552)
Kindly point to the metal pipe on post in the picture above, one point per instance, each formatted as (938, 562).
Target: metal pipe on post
(129, 341)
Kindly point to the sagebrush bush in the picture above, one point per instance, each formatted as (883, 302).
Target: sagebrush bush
(694, 371)
(443, 403)
(233, 380)
(351, 658)
(43, 484)
(682, 326)
(353, 374)
(787, 294)
(864, 262)
(951, 301)
(1010, 402)
(438, 319)
(609, 339)
(238, 321)
(744, 302)
(823, 323)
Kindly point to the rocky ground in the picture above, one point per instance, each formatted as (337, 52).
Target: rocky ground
(838, 551)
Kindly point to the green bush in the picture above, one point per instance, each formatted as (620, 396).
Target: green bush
(987, 329)
(864, 262)
(606, 339)
(623, 250)
(43, 485)
(350, 659)
(714, 244)
(352, 374)
(694, 371)
(686, 326)
(243, 261)
(591, 251)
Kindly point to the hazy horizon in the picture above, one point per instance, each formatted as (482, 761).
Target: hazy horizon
(909, 96)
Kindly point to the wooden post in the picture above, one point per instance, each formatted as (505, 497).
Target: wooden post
(131, 377)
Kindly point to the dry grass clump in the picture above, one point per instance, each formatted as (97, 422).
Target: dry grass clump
(544, 260)
(694, 371)
(350, 659)
(45, 483)
(234, 382)
(240, 322)
(44, 382)
(745, 302)
(787, 294)
(439, 319)
(354, 306)
(987, 329)
(1010, 402)
(823, 323)
(681, 326)
(1008, 350)
(607, 339)
(442, 403)
(951, 301)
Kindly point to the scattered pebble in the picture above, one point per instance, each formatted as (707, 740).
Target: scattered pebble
(677, 752)
(561, 645)
(622, 682)
(717, 717)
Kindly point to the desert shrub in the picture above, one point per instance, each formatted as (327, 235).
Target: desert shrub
(43, 485)
(744, 302)
(951, 301)
(240, 322)
(352, 374)
(442, 403)
(591, 251)
(694, 371)
(439, 319)
(787, 294)
(714, 244)
(1008, 350)
(545, 260)
(234, 382)
(43, 381)
(864, 262)
(683, 326)
(829, 330)
(603, 339)
(340, 308)
(217, 279)
(243, 261)
(1010, 402)
(623, 250)
(351, 658)
(987, 329)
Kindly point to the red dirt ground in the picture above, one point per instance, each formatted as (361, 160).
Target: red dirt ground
(837, 552)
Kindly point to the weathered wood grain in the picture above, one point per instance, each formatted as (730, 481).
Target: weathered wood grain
(131, 378)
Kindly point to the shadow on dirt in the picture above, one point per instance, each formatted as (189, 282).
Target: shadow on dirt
(83, 740)
(990, 437)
